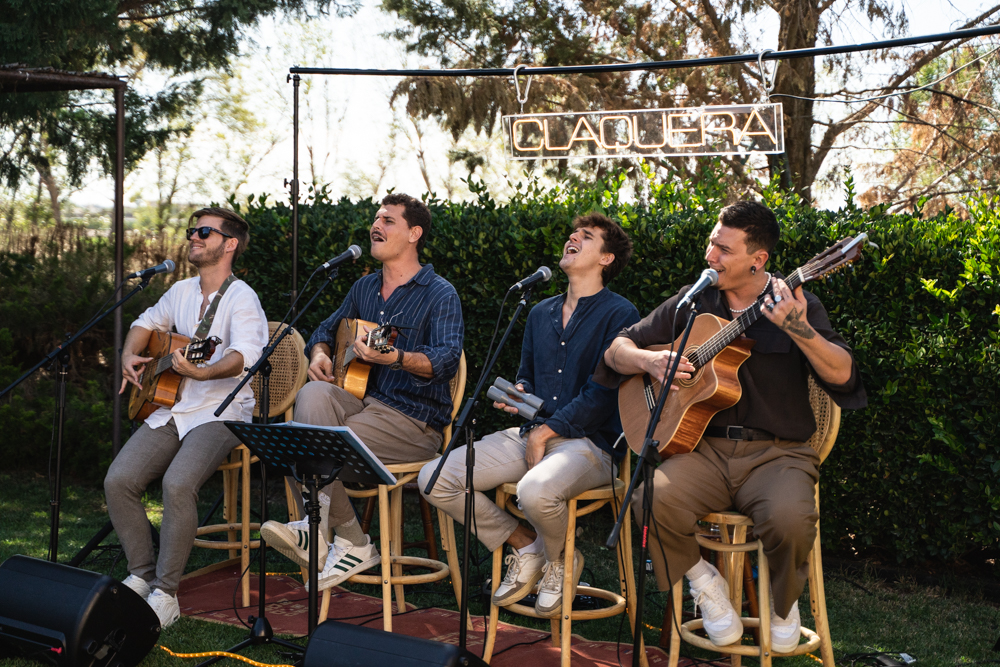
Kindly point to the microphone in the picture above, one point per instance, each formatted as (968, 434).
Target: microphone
(709, 278)
(167, 266)
(542, 275)
(354, 252)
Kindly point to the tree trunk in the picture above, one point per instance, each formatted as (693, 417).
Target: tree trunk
(798, 29)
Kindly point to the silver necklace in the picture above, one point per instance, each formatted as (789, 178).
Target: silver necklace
(743, 310)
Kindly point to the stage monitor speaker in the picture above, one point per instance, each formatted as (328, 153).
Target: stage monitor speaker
(335, 644)
(70, 617)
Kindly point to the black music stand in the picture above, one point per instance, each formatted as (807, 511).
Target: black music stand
(314, 456)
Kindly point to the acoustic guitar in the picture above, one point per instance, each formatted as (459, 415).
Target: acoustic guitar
(350, 372)
(716, 350)
(160, 384)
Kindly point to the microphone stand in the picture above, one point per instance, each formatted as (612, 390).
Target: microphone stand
(261, 632)
(466, 424)
(648, 459)
(61, 353)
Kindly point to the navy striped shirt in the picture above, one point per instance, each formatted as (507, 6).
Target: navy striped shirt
(428, 312)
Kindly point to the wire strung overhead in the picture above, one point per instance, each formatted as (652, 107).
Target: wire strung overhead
(767, 54)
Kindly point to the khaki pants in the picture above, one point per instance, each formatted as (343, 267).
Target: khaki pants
(185, 465)
(772, 481)
(389, 434)
(570, 467)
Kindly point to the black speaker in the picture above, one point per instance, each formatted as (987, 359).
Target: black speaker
(70, 617)
(335, 644)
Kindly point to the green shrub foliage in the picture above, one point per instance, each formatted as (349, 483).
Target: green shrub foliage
(913, 477)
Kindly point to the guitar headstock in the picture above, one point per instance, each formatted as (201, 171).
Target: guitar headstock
(381, 339)
(835, 258)
(200, 351)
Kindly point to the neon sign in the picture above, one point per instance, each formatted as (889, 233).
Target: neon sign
(715, 130)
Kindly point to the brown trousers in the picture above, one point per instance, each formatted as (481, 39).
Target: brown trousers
(389, 434)
(772, 481)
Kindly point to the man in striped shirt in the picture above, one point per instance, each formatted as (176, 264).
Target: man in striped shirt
(408, 402)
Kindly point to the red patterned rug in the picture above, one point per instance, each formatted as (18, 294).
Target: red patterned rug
(210, 597)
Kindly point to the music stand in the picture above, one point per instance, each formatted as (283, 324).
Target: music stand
(314, 456)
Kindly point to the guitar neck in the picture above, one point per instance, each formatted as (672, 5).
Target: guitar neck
(735, 328)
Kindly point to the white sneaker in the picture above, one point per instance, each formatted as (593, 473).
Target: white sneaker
(785, 631)
(345, 560)
(550, 592)
(137, 584)
(721, 621)
(292, 539)
(165, 606)
(523, 572)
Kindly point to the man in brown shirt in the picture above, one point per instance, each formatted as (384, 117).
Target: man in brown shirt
(753, 457)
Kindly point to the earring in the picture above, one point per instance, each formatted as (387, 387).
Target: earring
(753, 270)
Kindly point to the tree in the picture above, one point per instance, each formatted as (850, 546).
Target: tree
(482, 33)
(184, 39)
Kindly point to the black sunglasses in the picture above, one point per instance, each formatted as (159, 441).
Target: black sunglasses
(205, 232)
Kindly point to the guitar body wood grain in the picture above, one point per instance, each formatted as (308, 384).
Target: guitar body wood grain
(157, 390)
(687, 412)
(353, 378)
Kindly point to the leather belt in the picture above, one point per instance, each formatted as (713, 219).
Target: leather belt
(738, 433)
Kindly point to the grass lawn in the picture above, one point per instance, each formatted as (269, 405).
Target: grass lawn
(866, 615)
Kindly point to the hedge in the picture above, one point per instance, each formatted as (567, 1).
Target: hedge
(913, 477)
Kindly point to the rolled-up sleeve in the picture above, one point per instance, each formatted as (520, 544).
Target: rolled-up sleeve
(247, 329)
(444, 344)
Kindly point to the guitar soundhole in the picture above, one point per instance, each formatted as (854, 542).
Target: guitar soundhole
(693, 380)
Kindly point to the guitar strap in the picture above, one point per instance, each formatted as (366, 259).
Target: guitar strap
(206, 322)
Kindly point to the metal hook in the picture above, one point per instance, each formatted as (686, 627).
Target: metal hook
(768, 85)
(517, 86)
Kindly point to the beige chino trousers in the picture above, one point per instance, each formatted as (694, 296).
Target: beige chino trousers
(771, 481)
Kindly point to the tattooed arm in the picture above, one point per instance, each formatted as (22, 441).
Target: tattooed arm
(831, 362)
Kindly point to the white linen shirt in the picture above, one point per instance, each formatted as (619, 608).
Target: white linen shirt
(240, 323)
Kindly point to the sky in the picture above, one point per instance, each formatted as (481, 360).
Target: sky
(350, 136)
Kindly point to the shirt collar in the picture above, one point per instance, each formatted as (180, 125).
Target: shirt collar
(423, 277)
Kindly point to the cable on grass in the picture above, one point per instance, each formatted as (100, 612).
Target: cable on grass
(221, 654)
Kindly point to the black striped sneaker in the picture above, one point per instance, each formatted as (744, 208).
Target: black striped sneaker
(346, 559)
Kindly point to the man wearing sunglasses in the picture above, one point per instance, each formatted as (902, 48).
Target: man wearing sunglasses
(186, 443)
(408, 400)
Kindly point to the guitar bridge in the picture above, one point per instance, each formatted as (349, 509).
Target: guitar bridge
(647, 391)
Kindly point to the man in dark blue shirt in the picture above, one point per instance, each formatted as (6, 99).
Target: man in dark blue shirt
(408, 401)
(567, 448)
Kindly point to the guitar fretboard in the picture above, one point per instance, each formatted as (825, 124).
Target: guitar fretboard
(741, 323)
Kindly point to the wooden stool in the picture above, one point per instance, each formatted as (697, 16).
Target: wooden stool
(390, 519)
(562, 626)
(235, 479)
(732, 545)
(287, 377)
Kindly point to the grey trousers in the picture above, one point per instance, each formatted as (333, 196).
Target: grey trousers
(184, 465)
(392, 436)
(569, 467)
(772, 481)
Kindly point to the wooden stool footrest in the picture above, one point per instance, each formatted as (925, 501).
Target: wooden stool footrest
(583, 614)
(752, 650)
(440, 571)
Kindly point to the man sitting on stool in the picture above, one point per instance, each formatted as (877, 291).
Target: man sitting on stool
(186, 443)
(408, 401)
(567, 448)
(761, 468)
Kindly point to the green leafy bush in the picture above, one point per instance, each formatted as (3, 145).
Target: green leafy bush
(913, 477)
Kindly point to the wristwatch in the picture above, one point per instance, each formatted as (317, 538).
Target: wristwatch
(398, 364)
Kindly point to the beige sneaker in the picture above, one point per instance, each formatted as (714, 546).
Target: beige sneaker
(550, 592)
(720, 620)
(137, 584)
(291, 539)
(785, 632)
(166, 607)
(523, 572)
